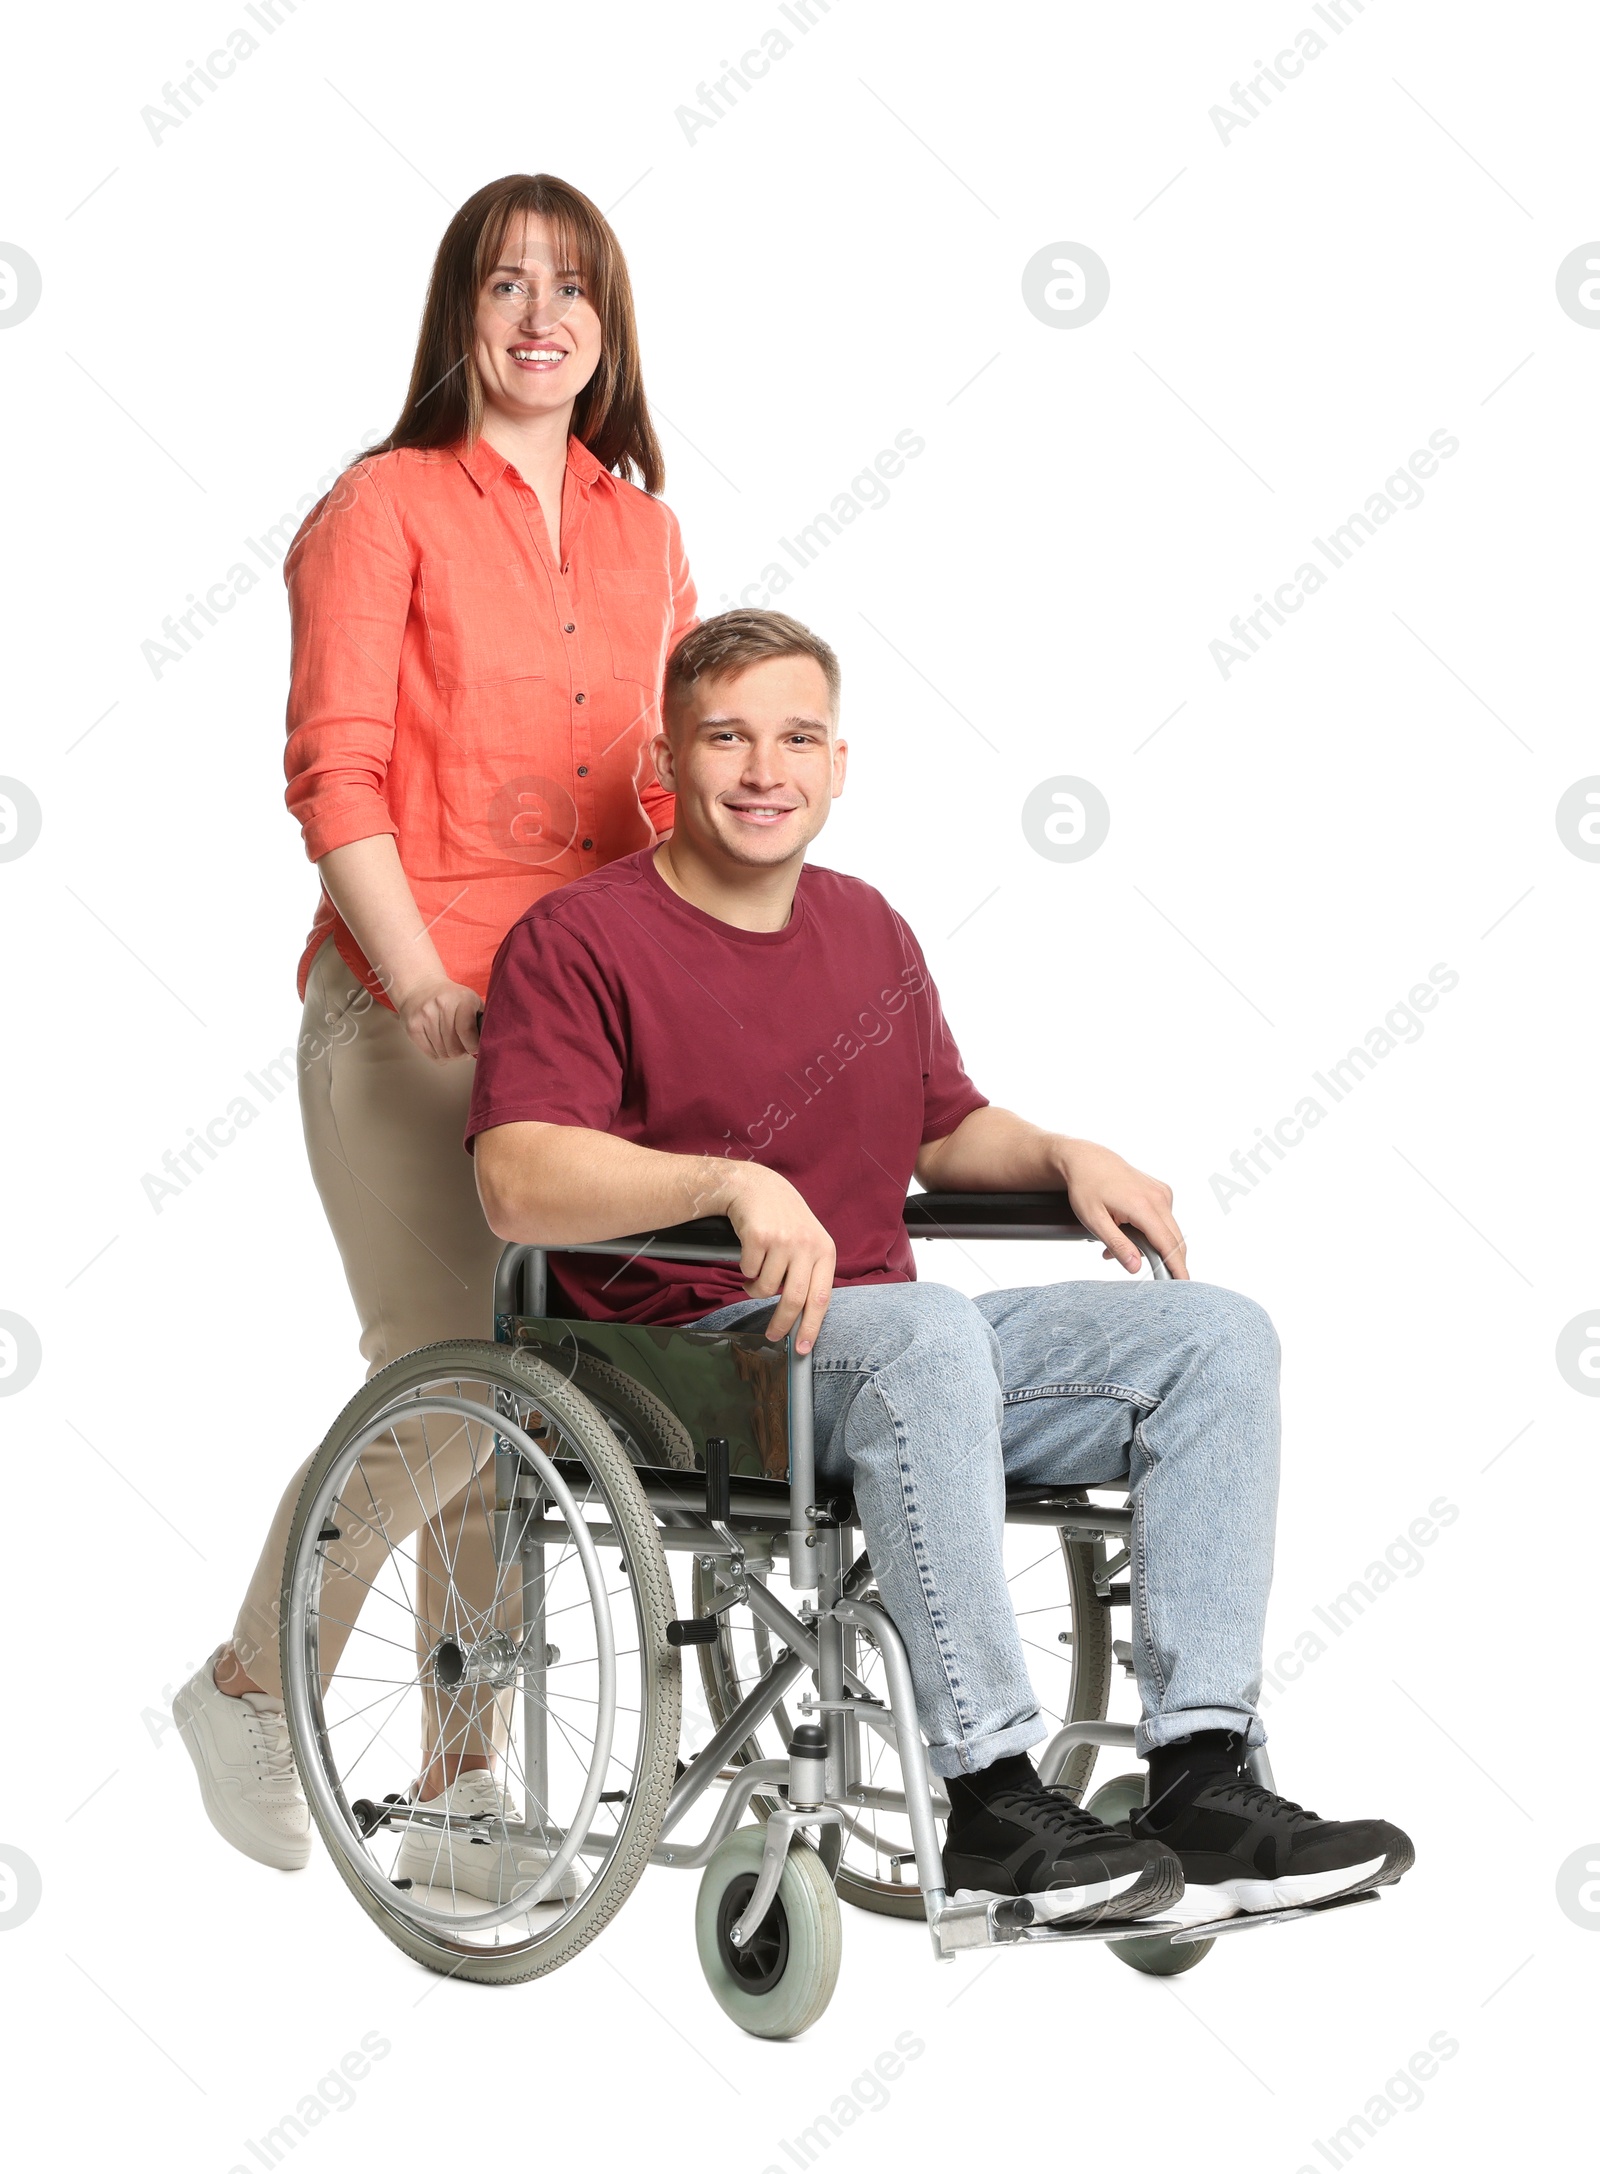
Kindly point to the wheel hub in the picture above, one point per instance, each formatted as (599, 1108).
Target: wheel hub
(761, 1962)
(490, 1661)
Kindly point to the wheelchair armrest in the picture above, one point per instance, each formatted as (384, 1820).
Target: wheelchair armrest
(991, 1215)
(708, 1238)
(927, 1215)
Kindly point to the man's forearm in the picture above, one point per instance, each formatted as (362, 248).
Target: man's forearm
(565, 1185)
(993, 1151)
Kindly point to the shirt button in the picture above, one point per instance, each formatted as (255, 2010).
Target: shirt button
(566, 569)
(588, 845)
(583, 769)
(569, 628)
(580, 698)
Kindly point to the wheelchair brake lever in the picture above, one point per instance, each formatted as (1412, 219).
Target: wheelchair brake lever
(719, 1480)
(703, 1630)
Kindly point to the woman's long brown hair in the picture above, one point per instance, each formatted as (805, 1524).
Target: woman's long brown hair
(444, 401)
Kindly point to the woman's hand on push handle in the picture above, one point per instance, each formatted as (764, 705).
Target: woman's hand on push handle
(370, 892)
(442, 1017)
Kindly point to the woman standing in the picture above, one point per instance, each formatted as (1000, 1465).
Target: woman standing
(481, 610)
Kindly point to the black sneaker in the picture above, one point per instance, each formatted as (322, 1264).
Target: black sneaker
(1243, 1848)
(1037, 1842)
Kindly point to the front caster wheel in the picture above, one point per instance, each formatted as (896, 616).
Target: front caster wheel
(1153, 1958)
(779, 1984)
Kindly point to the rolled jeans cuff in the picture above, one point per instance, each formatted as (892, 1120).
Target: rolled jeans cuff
(1157, 1729)
(976, 1752)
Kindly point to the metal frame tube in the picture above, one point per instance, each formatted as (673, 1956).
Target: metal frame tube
(1085, 1519)
(694, 1856)
(681, 1497)
(643, 1249)
(894, 1800)
(830, 1657)
(535, 1681)
(508, 1283)
(778, 1618)
(703, 1769)
(674, 1540)
(850, 1731)
(1054, 1756)
(782, 1828)
(802, 1475)
(869, 1616)
(520, 1279)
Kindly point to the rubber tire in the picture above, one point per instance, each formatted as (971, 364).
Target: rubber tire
(640, 1410)
(1152, 1958)
(652, 1589)
(1092, 1662)
(806, 1897)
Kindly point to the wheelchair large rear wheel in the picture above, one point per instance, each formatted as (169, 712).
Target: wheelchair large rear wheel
(1066, 1637)
(535, 1636)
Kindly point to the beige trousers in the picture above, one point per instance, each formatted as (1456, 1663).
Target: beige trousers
(383, 1126)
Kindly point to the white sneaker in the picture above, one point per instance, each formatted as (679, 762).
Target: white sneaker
(490, 1864)
(240, 1748)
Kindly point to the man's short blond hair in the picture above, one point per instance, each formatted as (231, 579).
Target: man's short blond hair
(731, 641)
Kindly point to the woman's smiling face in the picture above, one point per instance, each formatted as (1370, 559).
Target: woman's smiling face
(538, 330)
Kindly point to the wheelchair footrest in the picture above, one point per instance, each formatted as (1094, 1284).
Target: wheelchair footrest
(693, 1630)
(1246, 1919)
(999, 1921)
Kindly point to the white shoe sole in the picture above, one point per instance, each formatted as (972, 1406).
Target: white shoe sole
(1059, 1902)
(490, 1871)
(1247, 1898)
(224, 1808)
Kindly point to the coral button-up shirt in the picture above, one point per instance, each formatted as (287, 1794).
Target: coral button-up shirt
(455, 688)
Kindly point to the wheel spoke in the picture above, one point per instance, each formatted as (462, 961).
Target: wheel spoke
(413, 1535)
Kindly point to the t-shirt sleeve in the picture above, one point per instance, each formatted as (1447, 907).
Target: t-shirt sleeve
(948, 1094)
(551, 1051)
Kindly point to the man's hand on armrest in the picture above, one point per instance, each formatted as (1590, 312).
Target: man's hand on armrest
(995, 1151)
(566, 1185)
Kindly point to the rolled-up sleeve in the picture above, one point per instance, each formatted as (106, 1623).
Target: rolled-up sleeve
(350, 581)
(657, 802)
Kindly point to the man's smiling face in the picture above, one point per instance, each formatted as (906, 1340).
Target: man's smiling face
(755, 761)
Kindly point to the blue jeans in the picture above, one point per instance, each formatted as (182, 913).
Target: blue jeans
(927, 1402)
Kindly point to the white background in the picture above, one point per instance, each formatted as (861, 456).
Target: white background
(837, 259)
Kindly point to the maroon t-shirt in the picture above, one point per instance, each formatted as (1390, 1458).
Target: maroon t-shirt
(818, 1049)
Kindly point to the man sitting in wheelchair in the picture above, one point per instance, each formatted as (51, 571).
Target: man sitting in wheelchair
(711, 1027)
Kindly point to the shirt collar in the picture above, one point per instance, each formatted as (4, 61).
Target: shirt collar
(486, 467)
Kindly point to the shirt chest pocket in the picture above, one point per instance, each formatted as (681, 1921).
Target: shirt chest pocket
(486, 623)
(634, 613)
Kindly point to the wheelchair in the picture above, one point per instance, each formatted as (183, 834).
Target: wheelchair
(565, 1467)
